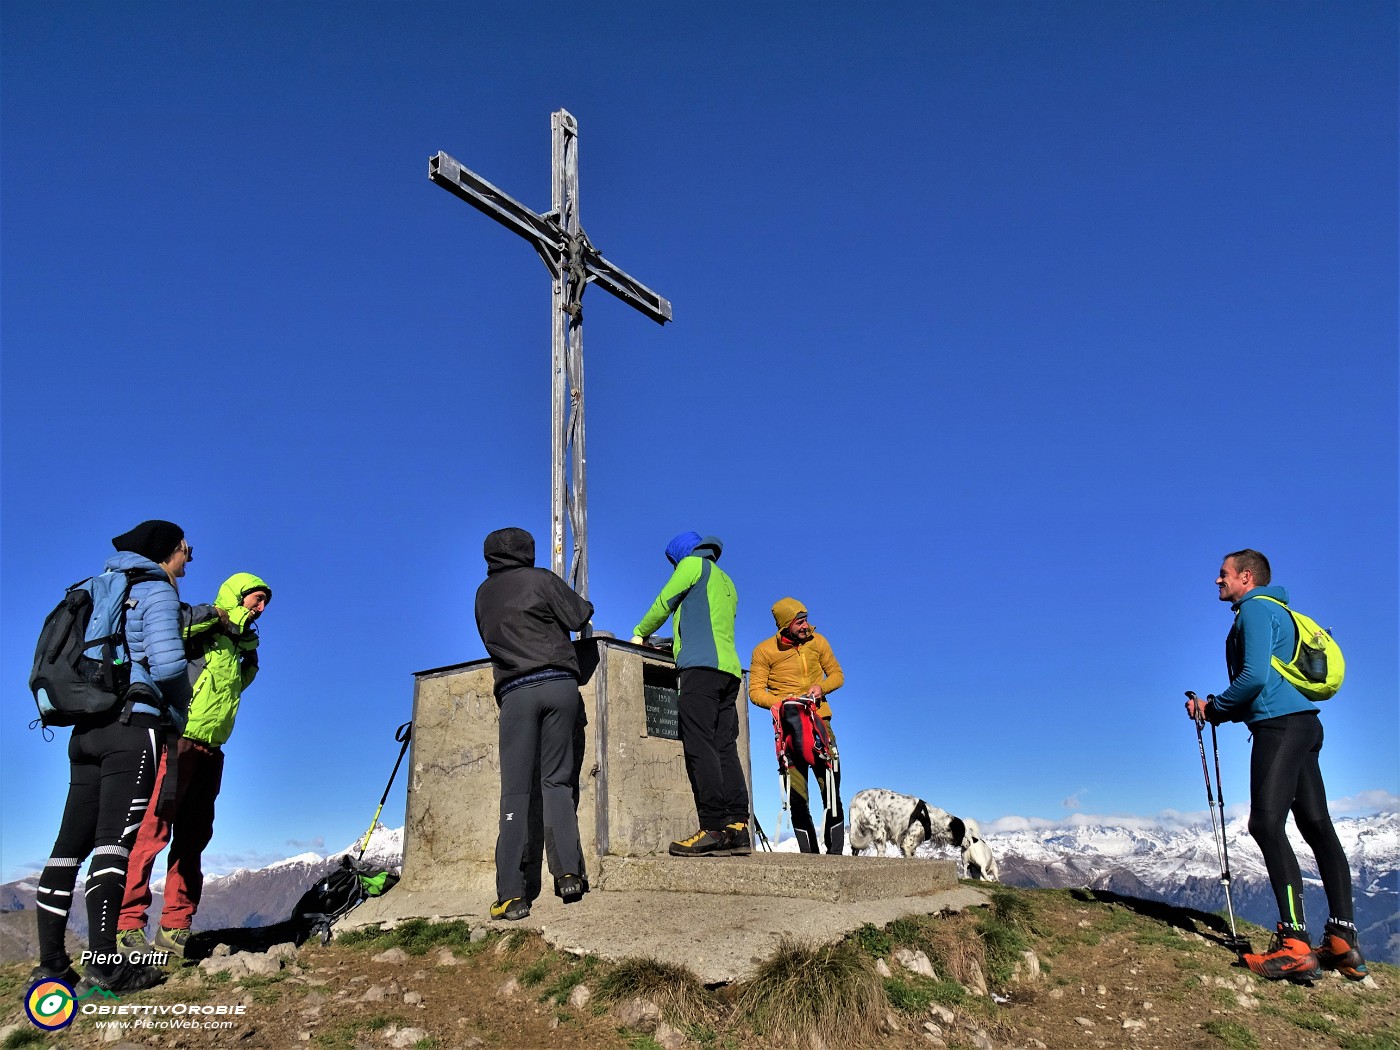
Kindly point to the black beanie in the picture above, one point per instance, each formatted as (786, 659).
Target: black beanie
(154, 539)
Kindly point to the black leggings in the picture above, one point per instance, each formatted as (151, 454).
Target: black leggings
(834, 821)
(112, 769)
(1284, 775)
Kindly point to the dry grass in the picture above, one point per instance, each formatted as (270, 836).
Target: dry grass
(955, 955)
(830, 992)
(675, 989)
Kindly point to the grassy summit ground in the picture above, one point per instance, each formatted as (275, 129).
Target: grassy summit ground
(1114, 972)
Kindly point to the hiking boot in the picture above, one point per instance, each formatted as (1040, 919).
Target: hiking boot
(512, 909)
(699, 844)
(121, 979)
(1338, 951)
(64, 973)
(734, 840)
(1289, 958)
(570, 888)
(173, 941)
(132, 942)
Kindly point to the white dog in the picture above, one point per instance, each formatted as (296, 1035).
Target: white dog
(879, 816)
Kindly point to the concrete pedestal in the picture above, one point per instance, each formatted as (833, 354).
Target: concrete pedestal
(634, 796)
(717, 916)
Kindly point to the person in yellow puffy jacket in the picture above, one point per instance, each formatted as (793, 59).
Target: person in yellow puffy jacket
(798, 661)
(223, 660)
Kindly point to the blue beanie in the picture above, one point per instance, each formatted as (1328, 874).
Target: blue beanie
(681, 546)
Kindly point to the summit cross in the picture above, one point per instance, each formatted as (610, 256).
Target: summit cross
(573, 265)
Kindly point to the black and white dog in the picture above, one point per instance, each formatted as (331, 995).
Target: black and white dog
(879, 816)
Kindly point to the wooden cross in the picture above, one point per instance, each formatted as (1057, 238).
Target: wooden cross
(573, 264)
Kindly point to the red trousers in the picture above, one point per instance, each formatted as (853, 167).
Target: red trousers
(199, 772)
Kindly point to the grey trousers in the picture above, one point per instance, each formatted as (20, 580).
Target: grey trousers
(541, 750)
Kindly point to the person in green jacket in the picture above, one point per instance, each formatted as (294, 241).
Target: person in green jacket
(702, 598)
(223, 660)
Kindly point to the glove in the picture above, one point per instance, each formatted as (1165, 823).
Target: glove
(250, 660)
(637, 639)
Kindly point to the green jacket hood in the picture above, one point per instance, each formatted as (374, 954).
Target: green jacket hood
(239, 586)
(227, 664)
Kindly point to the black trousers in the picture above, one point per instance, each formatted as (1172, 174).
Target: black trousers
(112, 770)
(709, 729)
(834, 824)
(541, 742)
(1284, 774)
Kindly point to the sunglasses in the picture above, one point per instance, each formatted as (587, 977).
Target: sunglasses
(188, 552)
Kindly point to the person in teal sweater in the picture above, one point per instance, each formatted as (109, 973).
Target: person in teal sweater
(702, 599)
(1284, 774)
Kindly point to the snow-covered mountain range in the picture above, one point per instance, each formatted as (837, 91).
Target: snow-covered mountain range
(1178, 865)
(245, 897)
(1181, 866)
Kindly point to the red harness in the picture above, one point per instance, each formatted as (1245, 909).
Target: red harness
(800, 733)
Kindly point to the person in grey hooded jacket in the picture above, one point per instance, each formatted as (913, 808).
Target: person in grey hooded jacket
(524, 616)
(112, 769)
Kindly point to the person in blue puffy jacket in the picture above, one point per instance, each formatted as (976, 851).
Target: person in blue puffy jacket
(113, 758)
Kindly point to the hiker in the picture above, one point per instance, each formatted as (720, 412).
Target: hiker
(702, 598)
(1283, 774)
(524, 616)
(223, 661)
(113, 759)
(797, 661)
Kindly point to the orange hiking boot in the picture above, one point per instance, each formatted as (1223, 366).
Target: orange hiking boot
(1338, 951)
(1290, 958)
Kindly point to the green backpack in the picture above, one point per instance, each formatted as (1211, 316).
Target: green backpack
(1317, 667)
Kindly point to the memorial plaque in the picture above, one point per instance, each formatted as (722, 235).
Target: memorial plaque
(662, 717)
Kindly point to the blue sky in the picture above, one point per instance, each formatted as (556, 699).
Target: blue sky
(995, 327)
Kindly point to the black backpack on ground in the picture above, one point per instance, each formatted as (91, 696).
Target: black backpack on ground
(337, 893)
(81, 664)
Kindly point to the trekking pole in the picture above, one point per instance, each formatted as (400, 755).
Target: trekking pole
(780, 744)
(782, 799)
(1236, 942)
(762, 838)
(404, 733)
(833, 767)
(1241, 944)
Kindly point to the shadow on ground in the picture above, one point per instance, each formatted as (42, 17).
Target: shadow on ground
(252, 939)
(1214, 928)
